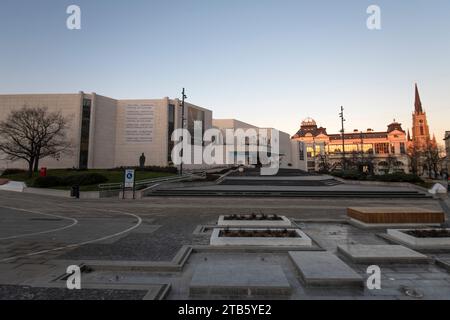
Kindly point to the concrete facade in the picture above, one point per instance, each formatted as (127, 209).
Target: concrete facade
(291, 152)
(381, 152)
(447, 151)
(119, 130)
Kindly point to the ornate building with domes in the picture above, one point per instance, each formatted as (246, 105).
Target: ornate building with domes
(379, 152)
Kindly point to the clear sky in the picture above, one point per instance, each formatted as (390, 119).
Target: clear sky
(266, 62)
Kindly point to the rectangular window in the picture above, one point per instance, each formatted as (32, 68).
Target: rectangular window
(193, 116)
(382, 148)
(402, 148)
(301, 151)
(85, 131)
(170, 130)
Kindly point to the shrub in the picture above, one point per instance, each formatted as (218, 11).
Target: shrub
(350, 174)
(9, 172)
(159, 169)
(47, 182)
(394, 177)
(84, 179)
(400, 177)
(150, 169)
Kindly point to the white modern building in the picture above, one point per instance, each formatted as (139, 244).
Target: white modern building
(110, 133)
(291, 153)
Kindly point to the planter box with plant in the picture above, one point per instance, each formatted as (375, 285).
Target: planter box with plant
(259, 237)
(254, 220)
(422, 238)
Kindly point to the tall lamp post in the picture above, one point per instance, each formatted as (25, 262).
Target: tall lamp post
(341, 115)
(183, 120)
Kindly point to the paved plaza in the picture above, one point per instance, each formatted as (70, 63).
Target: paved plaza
(156, 247)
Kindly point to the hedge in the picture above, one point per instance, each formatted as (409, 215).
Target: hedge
(84, 179)
(393, 177)
(47, 182)
(80, 179)
(8, 172)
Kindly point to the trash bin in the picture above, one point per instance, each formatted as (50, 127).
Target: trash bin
(43, 172)
(75, 192)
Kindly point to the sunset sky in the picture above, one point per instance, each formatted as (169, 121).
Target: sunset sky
(269, 63)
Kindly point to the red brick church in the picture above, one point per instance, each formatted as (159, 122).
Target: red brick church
(421, 144)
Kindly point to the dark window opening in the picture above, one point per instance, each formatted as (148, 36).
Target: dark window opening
(85, 131)
(171, 128)
(382, 148)
(402, 148)
(195, 115)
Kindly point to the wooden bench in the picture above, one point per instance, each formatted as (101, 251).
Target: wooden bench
(387, 215)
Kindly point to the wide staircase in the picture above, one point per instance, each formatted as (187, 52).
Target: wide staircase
(287, 183)
(272, 182)
(291, 194)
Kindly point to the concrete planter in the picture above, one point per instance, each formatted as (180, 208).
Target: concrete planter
(402, 236)
(284, 222)
(301, 240)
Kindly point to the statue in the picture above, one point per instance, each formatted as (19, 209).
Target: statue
(142, 161)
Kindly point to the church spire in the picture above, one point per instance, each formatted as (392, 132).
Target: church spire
(418, 103)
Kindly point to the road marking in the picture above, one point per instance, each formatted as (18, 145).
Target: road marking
(75, 245)
(74, 222)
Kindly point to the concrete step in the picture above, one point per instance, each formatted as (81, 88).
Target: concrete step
(286, 193)
(379, 254)
(324, 269)
(239, 279)
(271, 182)
(282, 172)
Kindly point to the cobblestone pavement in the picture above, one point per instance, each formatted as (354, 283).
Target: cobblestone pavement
(36, 231)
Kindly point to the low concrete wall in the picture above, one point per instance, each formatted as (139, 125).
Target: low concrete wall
(90, 195)
(382, 184)
(62, 193)
(48, 192)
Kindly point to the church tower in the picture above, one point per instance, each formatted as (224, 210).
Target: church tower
(420, 130)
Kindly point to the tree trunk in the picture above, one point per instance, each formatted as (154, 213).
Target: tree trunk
(36, 164)
(30, 167)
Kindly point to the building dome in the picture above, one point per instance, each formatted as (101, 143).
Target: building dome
(308, 122)
(395, 126)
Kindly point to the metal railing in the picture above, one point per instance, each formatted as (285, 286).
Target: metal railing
(149, 182)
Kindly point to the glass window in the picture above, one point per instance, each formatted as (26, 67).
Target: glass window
(170, 128)
(382, 148)
(193, 116)
(85, 131)
(402, 148)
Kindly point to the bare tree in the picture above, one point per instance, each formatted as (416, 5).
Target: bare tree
(324, 163)
(414, 155)
(392, 163)
(432, 159)
(32, 134)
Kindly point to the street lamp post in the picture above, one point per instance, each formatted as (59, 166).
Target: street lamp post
(183, 119)
(341, 115)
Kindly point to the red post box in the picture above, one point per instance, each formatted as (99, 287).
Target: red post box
(43, 172)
